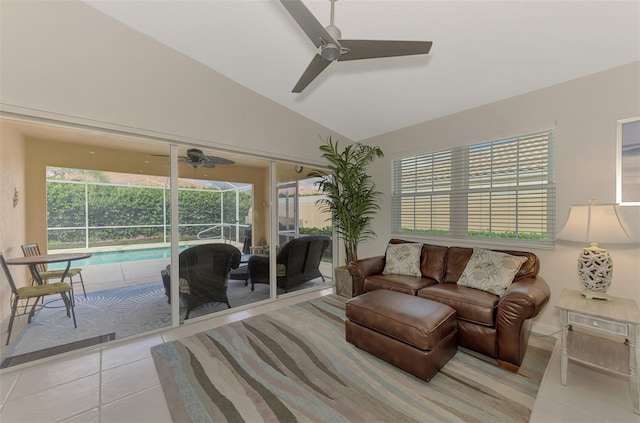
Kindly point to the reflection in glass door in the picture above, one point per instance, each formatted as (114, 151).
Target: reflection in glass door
(287, 212)
(304, 250)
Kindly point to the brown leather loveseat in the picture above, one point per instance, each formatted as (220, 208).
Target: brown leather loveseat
(496, 326)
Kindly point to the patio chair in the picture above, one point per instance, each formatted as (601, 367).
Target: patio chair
(204, 274)
(33, 249)
(242, 272)
(37, 292)
(298, 262)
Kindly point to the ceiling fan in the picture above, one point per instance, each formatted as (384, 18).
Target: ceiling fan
(196, 158)
(332, 47)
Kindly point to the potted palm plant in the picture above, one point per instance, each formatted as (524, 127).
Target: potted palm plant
(350, 197)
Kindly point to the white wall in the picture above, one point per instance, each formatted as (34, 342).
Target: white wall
(584, 113)
(66, 61)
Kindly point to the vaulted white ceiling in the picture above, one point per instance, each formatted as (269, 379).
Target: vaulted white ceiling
(483, 51)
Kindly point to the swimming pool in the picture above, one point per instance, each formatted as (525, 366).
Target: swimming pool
(105, 257)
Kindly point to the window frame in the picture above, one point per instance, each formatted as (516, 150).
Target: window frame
(534, 177)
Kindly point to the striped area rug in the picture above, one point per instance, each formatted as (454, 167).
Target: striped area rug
(294, 364)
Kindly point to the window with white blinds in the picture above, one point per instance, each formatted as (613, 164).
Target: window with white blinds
(501, 189)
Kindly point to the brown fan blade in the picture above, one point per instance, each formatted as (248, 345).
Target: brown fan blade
(317, 65)
(370, 49)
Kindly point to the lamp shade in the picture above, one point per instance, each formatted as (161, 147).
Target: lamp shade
(596, 223)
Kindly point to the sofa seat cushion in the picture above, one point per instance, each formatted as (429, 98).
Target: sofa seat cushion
(401, 283)
(419, 322)
(472, 305)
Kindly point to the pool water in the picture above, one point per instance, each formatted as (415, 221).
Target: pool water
(105, 257)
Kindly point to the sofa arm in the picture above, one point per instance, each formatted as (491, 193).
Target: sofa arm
(361, 269)
(524, 299)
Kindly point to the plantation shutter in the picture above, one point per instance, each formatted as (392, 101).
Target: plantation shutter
(423, 191)
(501, 189)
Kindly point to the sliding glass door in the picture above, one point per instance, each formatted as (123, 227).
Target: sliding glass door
(148, 212)
(304, 246)
(220, 217)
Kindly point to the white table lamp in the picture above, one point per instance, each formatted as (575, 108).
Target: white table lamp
(596, 223)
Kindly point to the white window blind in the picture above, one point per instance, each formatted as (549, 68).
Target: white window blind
(501, 189)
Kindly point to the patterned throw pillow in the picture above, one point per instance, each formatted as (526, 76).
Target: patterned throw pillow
(403, 259)
(490, 271)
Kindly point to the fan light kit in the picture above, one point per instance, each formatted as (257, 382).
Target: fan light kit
(332, 47)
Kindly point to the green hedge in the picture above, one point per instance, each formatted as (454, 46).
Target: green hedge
(110, 205)
(481, 234)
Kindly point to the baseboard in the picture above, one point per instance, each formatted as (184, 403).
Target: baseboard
(59, 349)
(548, 330)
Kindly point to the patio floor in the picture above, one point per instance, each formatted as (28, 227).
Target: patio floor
(115, 275)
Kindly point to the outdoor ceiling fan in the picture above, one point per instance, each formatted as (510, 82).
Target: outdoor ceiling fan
(332, 47)
(196, 158)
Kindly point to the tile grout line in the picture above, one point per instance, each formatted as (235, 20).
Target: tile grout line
(13, 385)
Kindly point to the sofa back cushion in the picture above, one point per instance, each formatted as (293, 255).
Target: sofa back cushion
(432, 260)
(446, 264)
(458, 257)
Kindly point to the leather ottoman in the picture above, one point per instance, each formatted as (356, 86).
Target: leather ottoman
(414, 334)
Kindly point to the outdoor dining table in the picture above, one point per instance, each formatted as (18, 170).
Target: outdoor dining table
(33, 261)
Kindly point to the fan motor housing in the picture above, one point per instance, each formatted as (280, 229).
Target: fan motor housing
(331, 51)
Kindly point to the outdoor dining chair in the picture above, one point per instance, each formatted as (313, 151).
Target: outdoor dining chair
(33, 249)
(37, 292)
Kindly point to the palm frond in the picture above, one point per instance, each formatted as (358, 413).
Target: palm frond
(350, 194)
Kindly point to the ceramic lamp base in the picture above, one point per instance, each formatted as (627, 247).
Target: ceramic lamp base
(596, 269)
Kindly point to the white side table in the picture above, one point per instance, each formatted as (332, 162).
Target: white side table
(602, 319)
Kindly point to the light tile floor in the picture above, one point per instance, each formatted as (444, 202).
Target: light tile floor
(590, 396)
(118, 383)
